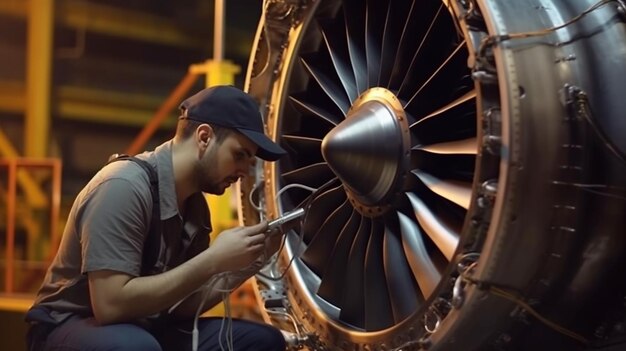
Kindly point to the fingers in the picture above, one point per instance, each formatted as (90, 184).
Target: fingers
(252, 229)
(258, 228)
(254, 232)
(257, 239)
(255, 235)
(274, 232)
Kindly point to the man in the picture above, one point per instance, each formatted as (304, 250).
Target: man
(98, 294)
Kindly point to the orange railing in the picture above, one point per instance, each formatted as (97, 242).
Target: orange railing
(12, 166)
(176, 96)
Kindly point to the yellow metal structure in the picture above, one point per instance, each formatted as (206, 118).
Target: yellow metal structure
(34, 195)
(114, 21)
(12, 205)
(220, 72)
(38, 77)
(106, 19)
(89, 104)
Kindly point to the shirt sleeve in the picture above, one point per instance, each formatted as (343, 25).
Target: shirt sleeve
(113, 226)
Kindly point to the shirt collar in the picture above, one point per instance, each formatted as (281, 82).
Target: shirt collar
(198, 210)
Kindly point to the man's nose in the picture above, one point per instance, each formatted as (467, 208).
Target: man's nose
(243, 171)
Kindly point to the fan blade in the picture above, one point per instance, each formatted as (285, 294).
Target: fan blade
(322, 243)
(312, 175)
(445, 239)
(453, 166)
(467, 146)
(316, 111)
(304, 145)
(453, 190)
(424, 270)
(353, 301)
(321, 207)
(302, 150)
(337, 47)
(404, 293)
(354, 15)
(408, 72)
(378, 311)
(374, 28)
(332, 285)
(395, 20)
(469, 96)
(335, 93)
(432, 76)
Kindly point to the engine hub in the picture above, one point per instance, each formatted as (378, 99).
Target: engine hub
(370, 150)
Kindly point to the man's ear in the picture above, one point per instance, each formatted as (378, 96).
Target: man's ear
(204, 133)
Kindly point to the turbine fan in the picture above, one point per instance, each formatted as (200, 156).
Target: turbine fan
(390, 221)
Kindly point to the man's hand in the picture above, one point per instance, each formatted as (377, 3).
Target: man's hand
(237, 248)
(273, 240)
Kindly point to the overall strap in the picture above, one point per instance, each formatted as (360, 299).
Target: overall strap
(152, 244)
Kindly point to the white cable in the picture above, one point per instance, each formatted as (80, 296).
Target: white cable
(274, 259)
(229, 324)
(278, 194)
(207, 289)
(194, 332)
(289, 317)
(219, 335)
(293, 257)
(228, 320)
(294, 185)
(252, 191)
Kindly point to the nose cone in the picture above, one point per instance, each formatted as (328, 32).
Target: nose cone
(369, 150)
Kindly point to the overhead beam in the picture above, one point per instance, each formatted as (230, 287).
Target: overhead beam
(113, 21)
(89, 104)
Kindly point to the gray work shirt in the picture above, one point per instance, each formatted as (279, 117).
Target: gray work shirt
(108, 224)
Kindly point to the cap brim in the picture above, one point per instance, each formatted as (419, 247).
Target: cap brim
(267, 149)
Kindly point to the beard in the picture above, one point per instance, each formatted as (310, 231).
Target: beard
(206, 173)
(214, 188)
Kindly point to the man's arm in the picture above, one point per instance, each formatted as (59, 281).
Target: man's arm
(118, 297)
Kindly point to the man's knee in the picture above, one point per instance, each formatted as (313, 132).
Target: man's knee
(277, 341)
(139, 341)
(268, 338)
(123, 337)
(81, 334)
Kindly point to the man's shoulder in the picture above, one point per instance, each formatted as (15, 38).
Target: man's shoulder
(123, 170)
(123, 177)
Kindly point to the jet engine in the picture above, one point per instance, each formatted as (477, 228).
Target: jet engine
(462, 167)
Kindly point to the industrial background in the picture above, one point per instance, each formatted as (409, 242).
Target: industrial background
(79, 81)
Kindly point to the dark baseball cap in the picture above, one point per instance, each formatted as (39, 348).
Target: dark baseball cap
(230, 107)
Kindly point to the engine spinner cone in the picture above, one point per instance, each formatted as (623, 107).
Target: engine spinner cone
(370, 150)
